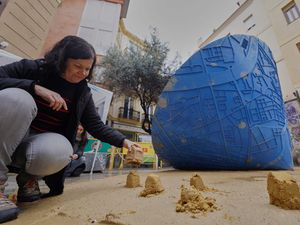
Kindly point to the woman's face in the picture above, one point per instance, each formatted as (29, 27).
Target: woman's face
(77, 70)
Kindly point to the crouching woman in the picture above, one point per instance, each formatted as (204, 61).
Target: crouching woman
(42, 103)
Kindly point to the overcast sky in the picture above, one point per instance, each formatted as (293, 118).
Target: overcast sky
(181, 23)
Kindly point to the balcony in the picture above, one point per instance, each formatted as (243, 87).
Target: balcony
(129, 114)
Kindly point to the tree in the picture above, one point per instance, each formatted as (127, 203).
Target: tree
(139, 72)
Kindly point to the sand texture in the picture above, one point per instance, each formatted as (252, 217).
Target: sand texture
(283, 190)
(242, 199)
(191, 200)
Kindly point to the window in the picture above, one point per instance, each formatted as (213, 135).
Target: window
(128, 108)
(99, 24)
(291, 12)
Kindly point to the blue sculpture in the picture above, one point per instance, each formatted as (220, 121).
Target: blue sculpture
(223, 109)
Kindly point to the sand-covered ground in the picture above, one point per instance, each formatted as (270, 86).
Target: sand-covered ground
(242, 198)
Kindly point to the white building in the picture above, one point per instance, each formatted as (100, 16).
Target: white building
(254, 17)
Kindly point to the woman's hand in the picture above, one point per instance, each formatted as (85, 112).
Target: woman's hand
(55, 100)
(129, 144)
(74, 157)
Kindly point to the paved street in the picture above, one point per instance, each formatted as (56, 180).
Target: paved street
(241, 198)
(12, 186)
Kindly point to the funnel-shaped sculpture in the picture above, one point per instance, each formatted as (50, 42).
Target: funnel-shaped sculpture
(223, 109)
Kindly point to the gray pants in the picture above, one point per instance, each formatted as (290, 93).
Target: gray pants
(36, 154)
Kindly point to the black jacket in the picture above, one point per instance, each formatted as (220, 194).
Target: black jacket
(25, 74)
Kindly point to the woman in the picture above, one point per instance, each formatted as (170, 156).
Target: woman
(77, 165)
(81, 141)
(42, 103)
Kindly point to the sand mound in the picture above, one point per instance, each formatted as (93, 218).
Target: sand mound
(192, 201)
(197, 182)
(283, 190)
(152, 185)
(133, 180)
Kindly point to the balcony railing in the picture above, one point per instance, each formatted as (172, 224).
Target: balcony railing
(129, 114)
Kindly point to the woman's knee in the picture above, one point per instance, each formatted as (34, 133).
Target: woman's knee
(46, 153)
(17, 101)
(18, 109)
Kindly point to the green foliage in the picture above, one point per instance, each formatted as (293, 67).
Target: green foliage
(139, 72)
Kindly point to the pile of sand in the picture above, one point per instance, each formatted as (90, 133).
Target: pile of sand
(283, 190)
(197, 182)
(133, 180)
(191, 200)
(152, 185)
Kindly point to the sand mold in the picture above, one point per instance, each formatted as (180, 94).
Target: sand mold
(133, 180)
(152, 186)
(283, 190)
(197, 182)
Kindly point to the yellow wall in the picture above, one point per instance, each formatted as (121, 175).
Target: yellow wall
(25, 24)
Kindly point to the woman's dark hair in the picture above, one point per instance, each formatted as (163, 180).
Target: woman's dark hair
(70, 47)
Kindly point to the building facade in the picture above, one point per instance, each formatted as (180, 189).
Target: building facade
(24, 25)
(267, 20)
(30, 28)
(66, 22)
(96, 21)
(285, 19)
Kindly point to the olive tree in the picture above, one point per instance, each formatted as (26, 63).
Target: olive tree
(139, 72)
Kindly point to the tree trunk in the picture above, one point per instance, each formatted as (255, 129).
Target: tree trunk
(146, 125)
